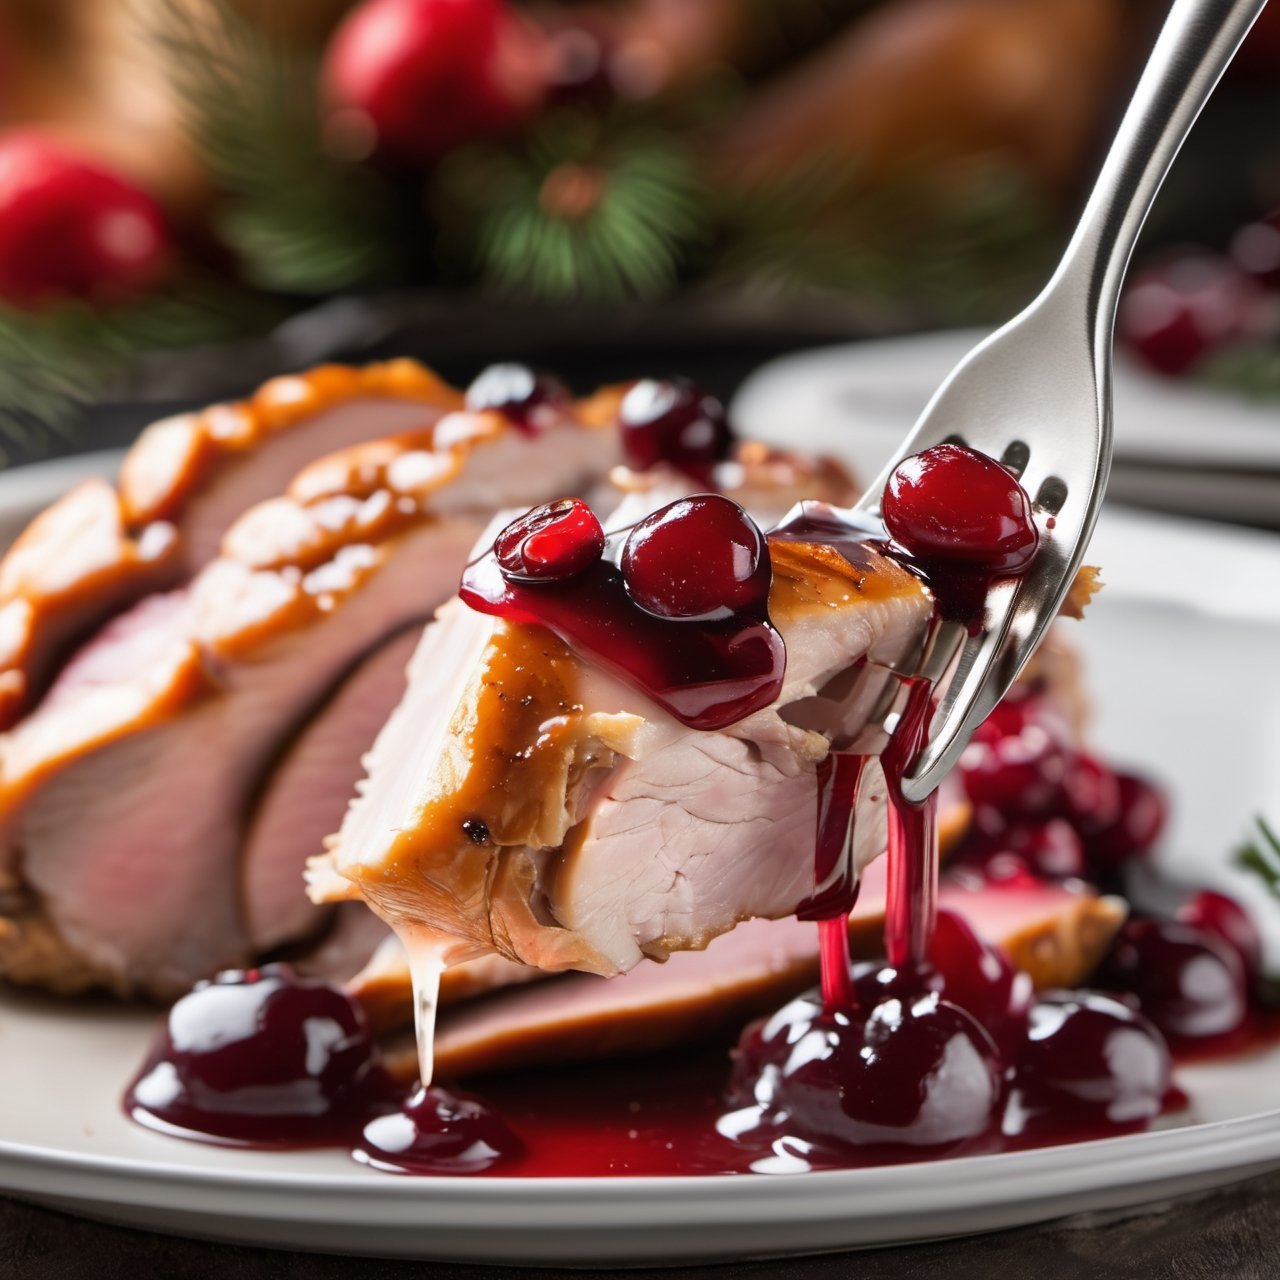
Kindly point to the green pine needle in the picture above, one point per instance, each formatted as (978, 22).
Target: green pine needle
(896, 246)
(1261, 855)
(641, 218)
(53, 363)
(1251, 369)
(301, 221)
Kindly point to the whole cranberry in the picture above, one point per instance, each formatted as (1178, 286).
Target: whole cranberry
(70, 228)
(910, 1072)
(951, 503)
(700, 558)
(250, 1047)
(410, 79)
(1088, 1056)
(1255, 248)
(1141, 817)
(437, 1131)
(529, 399)
(874, 982)
(552, 542)
(980, 863)
(1091, 794)
(1017, 761)
(1223, 917)
(980, 978)
(1051, 849)
(676, 422)
(1189, 982)
(1174, 315)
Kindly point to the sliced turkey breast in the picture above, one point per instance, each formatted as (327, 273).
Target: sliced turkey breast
(308, 791)
(303, 798)
(1054, 932)
(122, 796)
(522, 801)
(181, 486)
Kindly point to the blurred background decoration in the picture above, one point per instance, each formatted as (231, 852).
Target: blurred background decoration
(242, 183)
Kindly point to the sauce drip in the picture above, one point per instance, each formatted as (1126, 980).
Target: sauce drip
(437, 1132)
(912, 894)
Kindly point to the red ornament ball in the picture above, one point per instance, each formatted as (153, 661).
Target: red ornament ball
(1176, 314)
(70, 228)
(409, 79)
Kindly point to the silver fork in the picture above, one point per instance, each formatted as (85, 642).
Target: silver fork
(1037, 393)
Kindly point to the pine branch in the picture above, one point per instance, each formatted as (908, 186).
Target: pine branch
(1251, 370)
(54, 363)
(300, 220)
(586, 209)
(1261, 856)
(966, 258)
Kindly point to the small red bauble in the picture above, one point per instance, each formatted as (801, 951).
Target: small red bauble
(1174, 315)
(409, 79)
(70, 228)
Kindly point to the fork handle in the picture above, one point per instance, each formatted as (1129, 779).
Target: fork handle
(1197, 42)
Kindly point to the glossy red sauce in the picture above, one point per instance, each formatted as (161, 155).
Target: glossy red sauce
(707, 671)
(941, 1051)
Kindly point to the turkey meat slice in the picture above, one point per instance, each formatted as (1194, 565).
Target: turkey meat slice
(123, 795)
(309, 787)
(522, 801)
(183, 484)
(1055, 933)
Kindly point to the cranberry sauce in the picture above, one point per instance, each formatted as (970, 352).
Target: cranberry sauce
(437, 1132)
(676, 605)
(1087, 1061)
(529, 400)
(263, 1058)
(912, 889)
(260, 1056)
(964, 521)
(905, 1068)
(673, 421)
(834, 876)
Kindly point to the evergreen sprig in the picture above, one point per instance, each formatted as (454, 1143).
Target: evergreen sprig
(1251, 369)
(53, 363)
(967, 258)
(300, 220)
(1261, 855)
(585, 209)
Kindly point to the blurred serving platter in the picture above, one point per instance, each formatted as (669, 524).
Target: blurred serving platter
(1178, 446)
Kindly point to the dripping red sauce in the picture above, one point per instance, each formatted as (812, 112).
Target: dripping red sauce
(942, 1050)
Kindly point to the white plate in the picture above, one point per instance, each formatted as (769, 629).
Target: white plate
(1181, 652)
(1178, 445)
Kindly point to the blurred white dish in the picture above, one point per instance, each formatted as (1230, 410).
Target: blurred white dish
(1186, 606)
(1178, 445)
